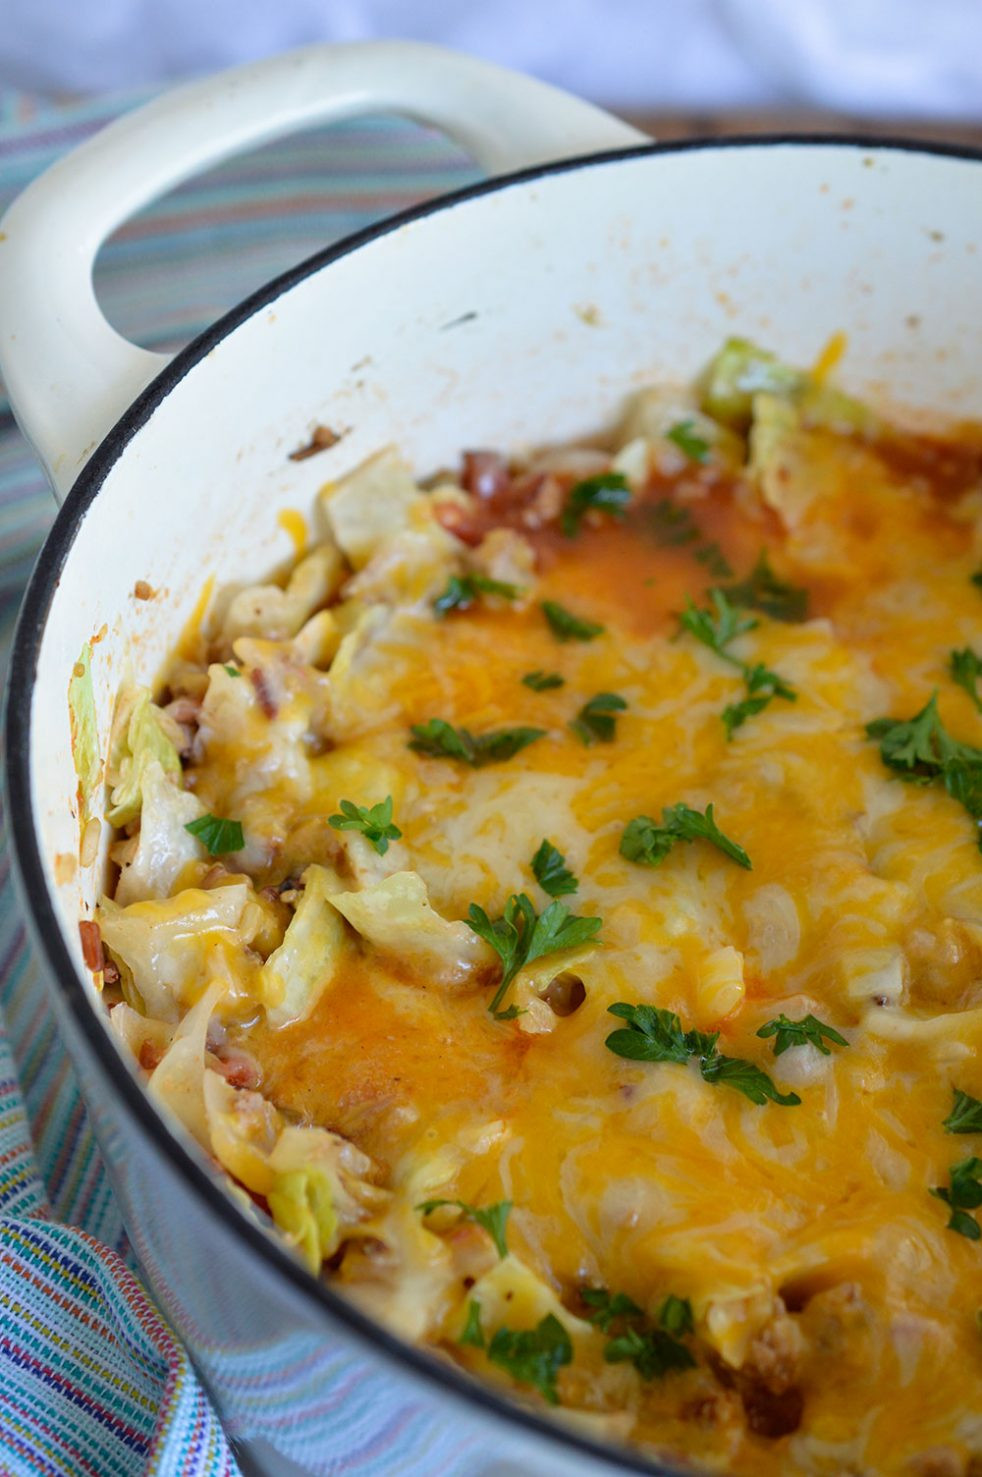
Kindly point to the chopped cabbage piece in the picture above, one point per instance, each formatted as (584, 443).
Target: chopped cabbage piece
(371, 505)
(656, 414)
(409, 1289)
(742, 373)
(177, 1081)
(412, 565)
(141, 735)
(739, 372)
(279, 614)
(504, 554)
(511, 1293)
(395, 917)
(85, 731)
(242, 1131)
(164, 845)
(301, 1204)
(172, 947)
(296, 975)
(254, 753)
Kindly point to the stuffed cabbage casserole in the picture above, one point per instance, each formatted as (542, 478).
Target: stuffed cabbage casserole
(555, 902)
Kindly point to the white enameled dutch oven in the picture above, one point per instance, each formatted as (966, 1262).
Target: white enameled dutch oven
(521, 310)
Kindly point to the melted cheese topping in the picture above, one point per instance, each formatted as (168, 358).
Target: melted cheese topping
(835, 1313)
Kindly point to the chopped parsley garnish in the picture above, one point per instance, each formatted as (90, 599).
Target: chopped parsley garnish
(685, 436)
(218, 837)
(656, 1035)
(965, 1115)
(977, 579)
(551, 871)
(533, 1356)
(463, 590)
(762, 590)
(232, 671)
(373, 821)
(716, 628)
(809, 1031)
(608, 1306)
(654, 1349)
(966, 669)
(540, 681)
(607, 493)
(441, 740)
(763, 685)
(594, 723)
(522, 935)
(648, 844)
(921, 750)
(674, 527)
(491, 1218)
(473, 1333)
(714, 559)
(566, 626)
(964, 1195)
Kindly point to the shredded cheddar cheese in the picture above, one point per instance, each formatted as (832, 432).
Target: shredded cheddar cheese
(762, 1284)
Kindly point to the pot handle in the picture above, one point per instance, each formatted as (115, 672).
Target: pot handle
(69, 374)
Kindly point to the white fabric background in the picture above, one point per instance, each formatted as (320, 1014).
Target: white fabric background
(865, 56)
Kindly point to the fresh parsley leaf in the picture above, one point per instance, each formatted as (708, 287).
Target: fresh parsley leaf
(566, 626)
(463, 590)
(966, 669)
(809, 1031)
(735, 715)
(647, 843)
(653, 1354)
(521, 936)
(716, 628)
(651, 1035)
(218, 837)
(473, 1333)
(656, 1035)
(747, 1078)
(965, 1115)
(491, 1218)
(917, 747)
(672, 526)
(762, 590)
(441, 740)
(533, 1356)
(373, 821)
(714, 559)
(540, 681)
(607, 493)
(685, 436)
(921, 750)
(763, 685)
(964, 1195)
(551, 871)
(232, 671)
(504, 743)
(594, 722)
(676, 1315)
(609, 1306)
(653, 1350)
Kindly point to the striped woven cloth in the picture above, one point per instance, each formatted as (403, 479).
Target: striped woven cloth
(93, 1382)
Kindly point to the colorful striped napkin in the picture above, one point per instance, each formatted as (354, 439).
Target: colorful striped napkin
(93, 1382)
